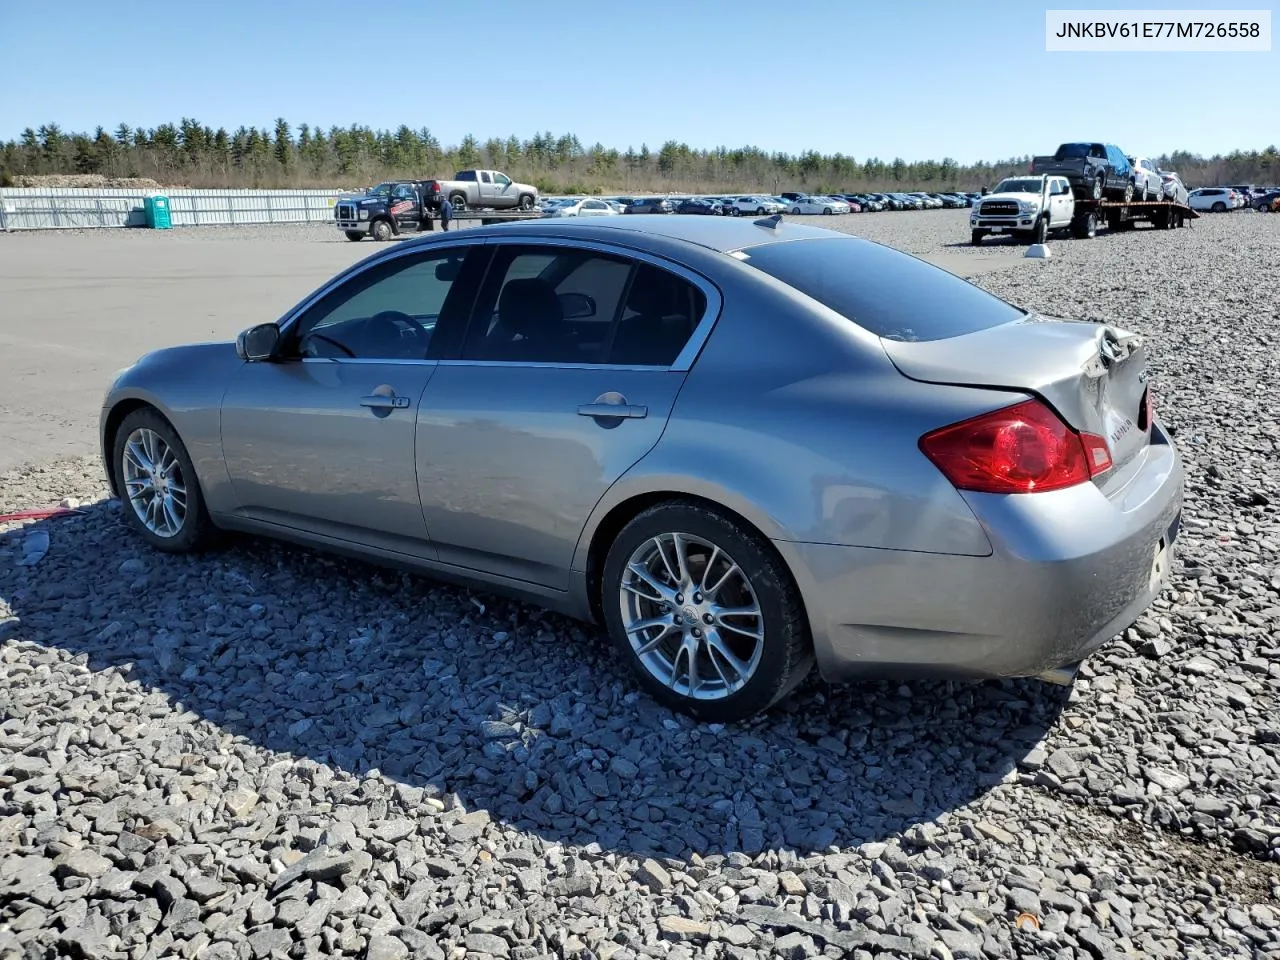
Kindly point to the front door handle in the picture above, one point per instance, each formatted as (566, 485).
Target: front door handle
(383, 402)
(626, 411)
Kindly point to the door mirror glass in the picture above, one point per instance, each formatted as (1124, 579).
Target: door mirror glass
(258, 343)
(577, 306)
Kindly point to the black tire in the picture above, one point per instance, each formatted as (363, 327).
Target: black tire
(1085, 226)
(795, 212)
(827, 211)
(1128, 192)
(760, 211)
(734, 211)
(1099, 188)
(196, 530)
(787, 650)
(354, 235)
(526, 202)
(1219, 207)
(459, 201)
(1040, 232)
(381, 230)
(976, 237)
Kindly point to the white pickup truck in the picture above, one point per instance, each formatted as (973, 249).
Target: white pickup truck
(1028, 208)
(487, 188)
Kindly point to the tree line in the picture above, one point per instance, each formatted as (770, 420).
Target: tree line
(193, 154)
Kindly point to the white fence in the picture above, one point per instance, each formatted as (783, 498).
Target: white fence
(51, 208)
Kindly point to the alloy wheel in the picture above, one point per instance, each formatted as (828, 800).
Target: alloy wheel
(692, 617)
(154, 483)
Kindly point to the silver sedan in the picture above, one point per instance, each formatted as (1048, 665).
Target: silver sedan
(743, 446)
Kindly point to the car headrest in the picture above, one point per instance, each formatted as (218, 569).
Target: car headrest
(529, 307)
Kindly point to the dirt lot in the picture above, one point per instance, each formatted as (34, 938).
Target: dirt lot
(262, 752)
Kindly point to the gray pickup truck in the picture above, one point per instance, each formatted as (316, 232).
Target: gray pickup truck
(487, 188)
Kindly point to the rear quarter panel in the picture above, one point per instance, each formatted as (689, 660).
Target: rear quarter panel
(185, 384)
(795, 419)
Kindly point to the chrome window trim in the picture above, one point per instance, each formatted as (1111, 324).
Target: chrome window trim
(682, 364)
(683, 361)
(370, 361)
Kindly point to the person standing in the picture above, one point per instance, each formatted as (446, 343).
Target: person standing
(446, 212)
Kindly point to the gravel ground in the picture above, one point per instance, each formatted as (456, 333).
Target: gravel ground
(263, 752)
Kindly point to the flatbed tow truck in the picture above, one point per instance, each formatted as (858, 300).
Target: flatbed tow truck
(1118, 215)
(486, 217)
(1031, 208)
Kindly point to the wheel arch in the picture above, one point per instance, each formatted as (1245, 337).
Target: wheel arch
(111, 422)
(593, 547)
(115, 415)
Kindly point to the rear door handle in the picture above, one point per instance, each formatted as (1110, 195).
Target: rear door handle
(628, 411)
(382, 402)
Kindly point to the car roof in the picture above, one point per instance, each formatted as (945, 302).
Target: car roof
(721, 234)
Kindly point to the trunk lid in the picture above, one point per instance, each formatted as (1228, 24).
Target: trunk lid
(1094, 375)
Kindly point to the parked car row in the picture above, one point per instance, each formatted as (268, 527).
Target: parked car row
(755, 204)
(1226, 199)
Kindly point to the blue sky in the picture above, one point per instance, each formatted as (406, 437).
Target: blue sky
(969, 79)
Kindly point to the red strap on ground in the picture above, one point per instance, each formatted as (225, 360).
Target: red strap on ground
(43, 514)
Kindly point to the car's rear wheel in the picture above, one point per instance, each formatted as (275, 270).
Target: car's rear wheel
(157, 483)
(354, 234)
(705, 613)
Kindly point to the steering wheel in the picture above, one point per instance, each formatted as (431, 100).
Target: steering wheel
(388, 324)
(320, 336)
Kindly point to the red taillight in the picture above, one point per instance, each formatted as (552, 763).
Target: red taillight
(1025, 448)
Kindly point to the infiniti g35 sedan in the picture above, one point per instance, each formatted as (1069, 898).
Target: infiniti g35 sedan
(745, 447)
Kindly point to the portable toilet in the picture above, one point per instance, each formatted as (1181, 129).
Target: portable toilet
(156, 208)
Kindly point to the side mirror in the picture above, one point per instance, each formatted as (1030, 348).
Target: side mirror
(258, 343)
(577, 306)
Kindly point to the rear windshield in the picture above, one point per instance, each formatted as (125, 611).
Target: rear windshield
(888, 293)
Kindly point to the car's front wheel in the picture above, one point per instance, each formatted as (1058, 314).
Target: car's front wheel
(355, 235)
(705, 613)
(157, 483)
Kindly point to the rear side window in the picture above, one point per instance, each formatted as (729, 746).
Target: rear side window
(887, 293)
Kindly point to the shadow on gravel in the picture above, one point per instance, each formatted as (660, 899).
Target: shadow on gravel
(519, 712)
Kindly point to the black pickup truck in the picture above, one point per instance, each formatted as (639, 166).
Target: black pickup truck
(388, 209)
(1096, 171)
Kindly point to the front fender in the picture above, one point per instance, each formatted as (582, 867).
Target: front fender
(185, 385)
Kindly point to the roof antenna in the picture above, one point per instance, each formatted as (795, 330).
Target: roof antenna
(770, 222)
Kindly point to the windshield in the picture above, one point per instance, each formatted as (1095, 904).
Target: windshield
(381, 190)
(1018, 185)
(888, 293)
(1071, 150)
